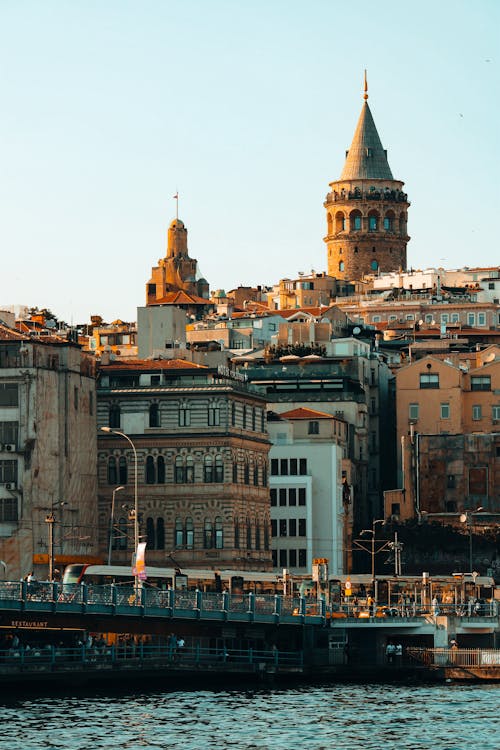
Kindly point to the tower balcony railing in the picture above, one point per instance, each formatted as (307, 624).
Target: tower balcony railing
(395, 196)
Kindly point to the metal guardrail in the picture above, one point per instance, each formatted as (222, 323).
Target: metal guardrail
(116, 598)
(51, 658)
(459, 657)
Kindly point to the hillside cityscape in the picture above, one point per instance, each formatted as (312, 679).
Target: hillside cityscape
(350, 415)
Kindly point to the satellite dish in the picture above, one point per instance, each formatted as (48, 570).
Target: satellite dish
(356, 330)
(463, 517)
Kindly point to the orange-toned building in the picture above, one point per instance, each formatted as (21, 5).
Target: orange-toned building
(448, 429)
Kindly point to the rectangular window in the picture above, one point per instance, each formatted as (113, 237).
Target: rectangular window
(283, 466)
(9, 394)
(445, 411)
(293, 558)
(455, 318)
(274, 528)
(495, 412)
(445, 318)
(451, 481)
(91, 403)
(302, 558)
(282, 526)
(8, 472)
(303, 466)
(293, 467)
(413, 411)
(283, 563)
(274, 554)
(450, 506)
(8, 510)
(292, 494)
(477, 412)
(302, 527)
(184, 417)
(302, 495)
(480, 383)
(273, 497)
(274, 467)
(292, 527)
(314, 428)
(471, 319)
(481, 319)
(213, 416)
(9, 432)
(429, 380)
(282, 496)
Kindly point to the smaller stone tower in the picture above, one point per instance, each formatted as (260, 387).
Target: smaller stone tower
(366, 210)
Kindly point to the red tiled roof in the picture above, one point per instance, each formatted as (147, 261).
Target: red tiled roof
(180, 298)
(302, 413)
(152, 364)
(9, 334)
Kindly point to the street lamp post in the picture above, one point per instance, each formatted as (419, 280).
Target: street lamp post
(111, 431)
(112, 521)
(467, 518)
(372, 550)
(50, 521)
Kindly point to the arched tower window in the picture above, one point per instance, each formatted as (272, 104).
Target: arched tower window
(112, 473)
(329, 223)
(389, 221)
(219, 469)
(355, 221)
(189, 470)
(208, 469)
(374, 265)
(179, 474)
(257, 534)
(256, 475)
(122, 470)
(219, 533)
(189, 533)
(339, 222)
(160, 534)
(150, 533)
(160, 466)
(341, 265)
(208, 542)
(235, 472)
(373, 221)
(150, 470)
(402, 224)
(236, 534)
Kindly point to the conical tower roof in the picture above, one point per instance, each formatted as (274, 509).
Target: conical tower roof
(366, 159)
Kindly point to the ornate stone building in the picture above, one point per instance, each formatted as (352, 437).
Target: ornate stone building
(366, 210)
(202, 456)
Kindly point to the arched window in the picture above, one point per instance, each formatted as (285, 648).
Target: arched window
(112, 473)
(339, 222)
(160, 466)
(154, 415)
(122, 534)
(341, 266)
(262, 421)
(235, 472)
(264, 475)
(402, 224)
(249, 534)
(208, 469)
(233, 414)
(389, 221)
(179, 533)
(219, 469)
(329, 223)
(355, 219)
(266, 535)
(374, 265)
(256, 475)
(150, 533)
(236, 534)
(190, 469)
(114, 416)
(208, 534)
(244, 417)
(219, 533)
(179, 470)
(160, 534)
(257, 534)
(189, 533)
(373, 220)
(122, 470)
(150, 470)
(253, 419)
(246, 473)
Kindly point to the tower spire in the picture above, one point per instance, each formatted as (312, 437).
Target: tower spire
(365, 95)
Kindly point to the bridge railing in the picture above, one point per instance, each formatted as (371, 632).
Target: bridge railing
(460, 657)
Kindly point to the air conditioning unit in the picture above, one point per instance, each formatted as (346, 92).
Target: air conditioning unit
(10, 486)
(9, 447)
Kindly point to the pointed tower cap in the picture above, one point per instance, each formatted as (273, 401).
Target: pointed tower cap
(366, 158)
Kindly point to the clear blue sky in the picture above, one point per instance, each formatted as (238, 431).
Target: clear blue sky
(108, 107)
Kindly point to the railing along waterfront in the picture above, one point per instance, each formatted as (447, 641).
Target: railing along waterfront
(127, 599)
(459, 657)
(52, 658)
